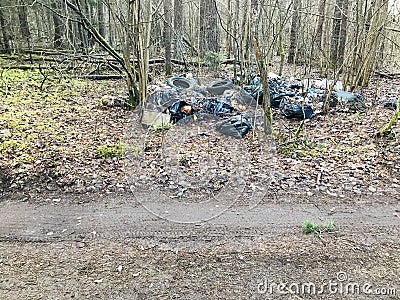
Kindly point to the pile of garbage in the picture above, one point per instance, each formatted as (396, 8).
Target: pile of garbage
(183, 99)
(302, 99)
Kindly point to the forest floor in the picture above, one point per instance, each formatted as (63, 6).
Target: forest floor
(210, 217)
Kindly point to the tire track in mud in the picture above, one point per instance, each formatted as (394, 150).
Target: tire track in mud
(62, 222)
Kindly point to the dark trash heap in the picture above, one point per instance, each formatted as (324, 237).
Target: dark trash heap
(183, 99)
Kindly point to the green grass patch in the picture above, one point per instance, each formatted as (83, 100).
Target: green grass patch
(117, 150)
(114, 150)
(300, 148)
(56, 123)
(160, 127)
(314, 228)
(17, 75)
(11, 146)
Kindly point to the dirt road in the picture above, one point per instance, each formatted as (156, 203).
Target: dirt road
(114, 247)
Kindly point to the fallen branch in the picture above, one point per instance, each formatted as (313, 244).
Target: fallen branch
(20, 67)
(100, 77)
(100, 58)
(388, 75)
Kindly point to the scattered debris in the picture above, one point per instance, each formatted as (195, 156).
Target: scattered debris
(162, 98)
(323, 84)
(390, 103)
(183, 101)
(341, 150)
(114, 101)
(294, 98)
(236, 126)
(296, 111)
(154, 118)
(217, 107)
(179, 110)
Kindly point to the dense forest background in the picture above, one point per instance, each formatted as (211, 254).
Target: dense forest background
(349, 40)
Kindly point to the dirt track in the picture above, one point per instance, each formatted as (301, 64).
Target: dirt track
(114, 248)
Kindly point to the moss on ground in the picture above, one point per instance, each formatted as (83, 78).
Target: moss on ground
(46, 124)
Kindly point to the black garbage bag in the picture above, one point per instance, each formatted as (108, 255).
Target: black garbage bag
(296, 86)
(236, 126)
(333, 101)
(217, 107)
(277, 91)
(164, 98)
(180, 110)
(276, 96)
(296, 111)
(257, 91)
(390, 103)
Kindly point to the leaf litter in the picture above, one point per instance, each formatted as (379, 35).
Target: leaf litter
(49, 140)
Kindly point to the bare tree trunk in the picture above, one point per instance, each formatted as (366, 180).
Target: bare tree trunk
(57, 27)
(370, 22)
(254, 13)
(82, 38)
(375, 29)
(100, 16)
(213, 33)
(23, 22)
(382, 42)
(229, 30)
(167, 36)
(235, 39)
(111, 29)
(244, 32)
(209, 33)
(343, 34)
(294, 31)
(144, 47)
(267, 113)
(88, 37)
(336, 32)
(124, 60)
(5, 34)
(178, 27)
(320, 25)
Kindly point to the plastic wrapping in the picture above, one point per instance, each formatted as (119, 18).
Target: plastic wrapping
(236, 126)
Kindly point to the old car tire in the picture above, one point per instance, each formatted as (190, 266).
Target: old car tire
(220, 86)
(180, 83)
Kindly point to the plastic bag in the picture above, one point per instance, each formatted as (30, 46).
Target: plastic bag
(180, 110)
(236, 126)
(164, 98)
(297, 111)
(390, 103)
(217, 107)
